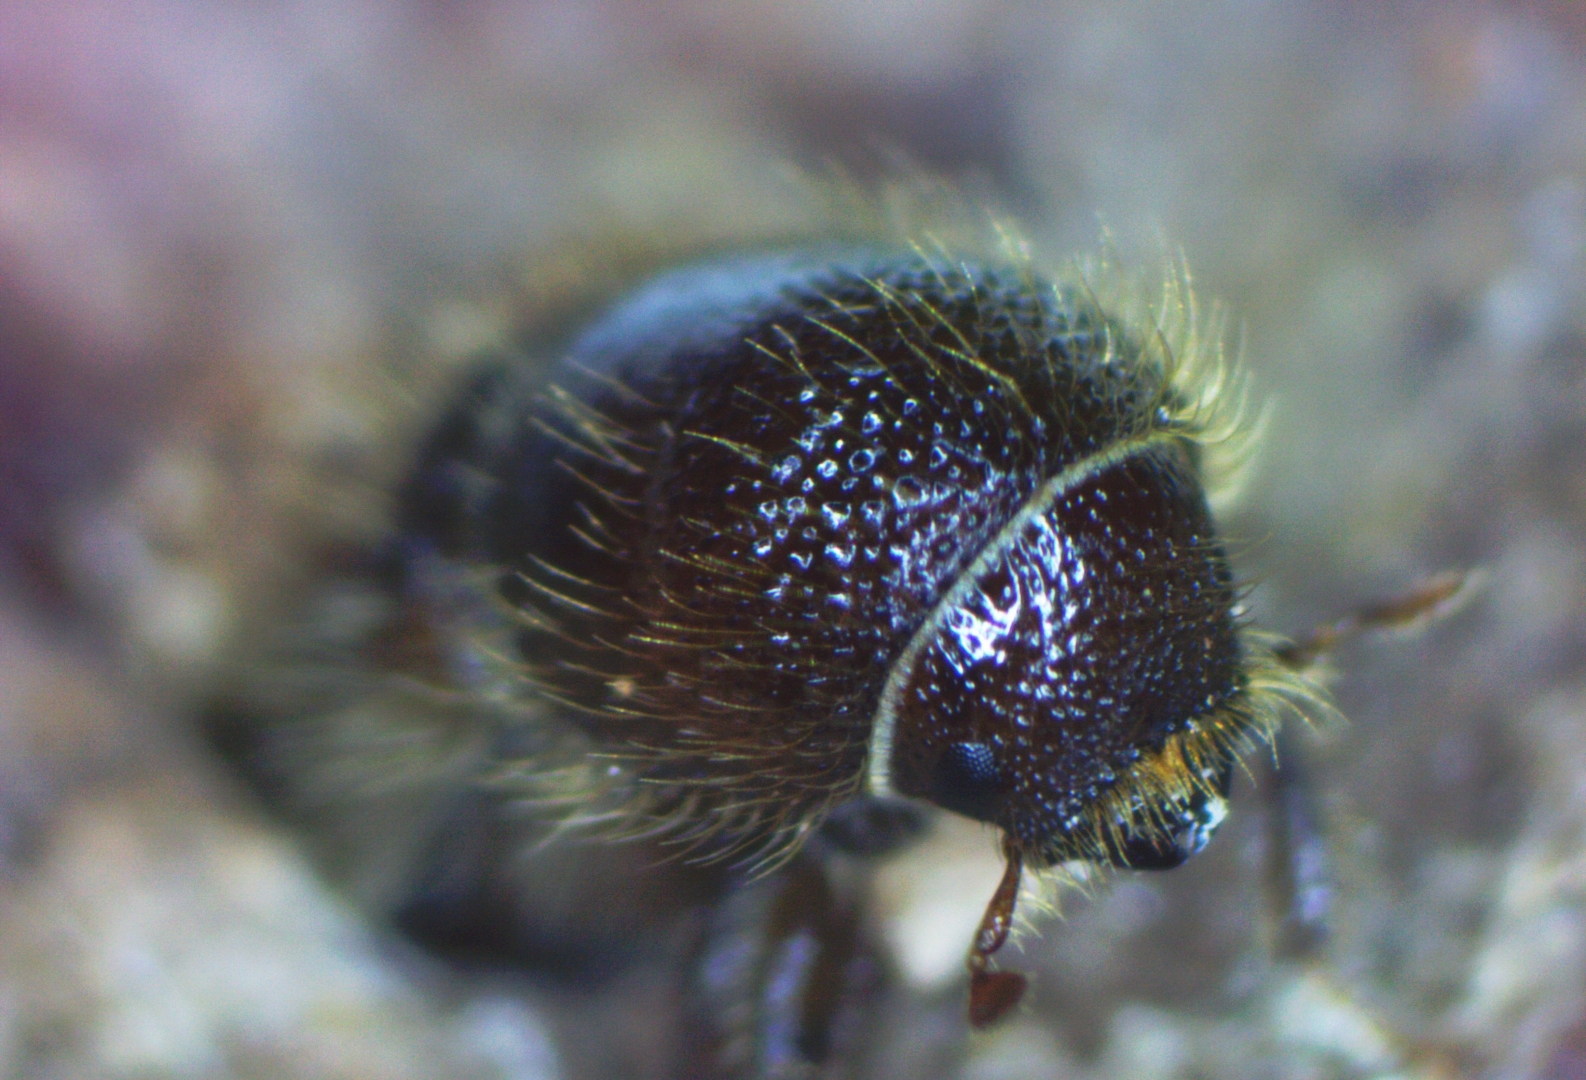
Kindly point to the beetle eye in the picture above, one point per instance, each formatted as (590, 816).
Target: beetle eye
(968, 781)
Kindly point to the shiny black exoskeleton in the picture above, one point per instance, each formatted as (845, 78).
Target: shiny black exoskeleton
(778, 553)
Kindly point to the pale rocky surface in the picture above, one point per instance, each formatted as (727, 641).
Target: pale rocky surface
(240, 246)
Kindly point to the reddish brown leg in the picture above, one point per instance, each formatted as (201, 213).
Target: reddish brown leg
(1430, 600)
(1298, 883)
(993, 994)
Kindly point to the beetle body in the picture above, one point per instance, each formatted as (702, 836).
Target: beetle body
(787, 531)
(782, 548)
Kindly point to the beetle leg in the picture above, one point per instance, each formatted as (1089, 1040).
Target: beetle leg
(1433, 599)
(1298, 881)
(790, 979)
(993, 994)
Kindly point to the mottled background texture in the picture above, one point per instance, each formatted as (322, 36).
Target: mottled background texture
(236, 238)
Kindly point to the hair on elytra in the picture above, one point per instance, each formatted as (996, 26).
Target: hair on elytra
(783, 546)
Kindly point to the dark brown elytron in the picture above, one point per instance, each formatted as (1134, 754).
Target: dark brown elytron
(780, 548)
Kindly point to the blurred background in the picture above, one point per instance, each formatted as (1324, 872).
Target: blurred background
(238, 240)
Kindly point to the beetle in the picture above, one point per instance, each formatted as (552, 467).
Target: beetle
(783, 548)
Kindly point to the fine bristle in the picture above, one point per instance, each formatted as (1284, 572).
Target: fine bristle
(1186, 766)
(1206, 396)
(703, 775)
